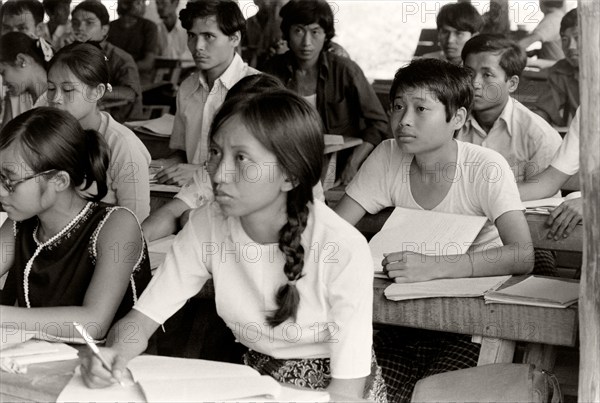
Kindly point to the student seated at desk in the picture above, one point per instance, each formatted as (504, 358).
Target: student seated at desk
(90, 21)
(23, 63)
(559, 104)
(199, 191)
(289, 282)
(214, 28)
(423, 167)
(547, 31)
(77, 80)
(565, 164)
(64, 266)
(58, 30)
(502, 123)
(456, 24)
(135, 35)
(335, 85)
(172, 37)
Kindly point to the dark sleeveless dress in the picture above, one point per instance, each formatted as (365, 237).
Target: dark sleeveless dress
(62, 271)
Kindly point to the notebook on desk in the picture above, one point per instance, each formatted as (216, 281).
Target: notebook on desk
(426, 232)
(162, 126)
(537, 291)
(168, 379)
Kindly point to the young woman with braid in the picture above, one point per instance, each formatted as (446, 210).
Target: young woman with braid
(308, 324)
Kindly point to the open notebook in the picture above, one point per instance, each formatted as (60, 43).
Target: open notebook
(168, 379)
(424, 231)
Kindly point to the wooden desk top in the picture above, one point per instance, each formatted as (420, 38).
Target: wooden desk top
(472, 316)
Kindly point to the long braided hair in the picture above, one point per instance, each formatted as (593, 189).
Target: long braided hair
(290, 128)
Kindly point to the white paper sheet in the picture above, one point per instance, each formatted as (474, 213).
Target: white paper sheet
(456, 287)
(424, 231)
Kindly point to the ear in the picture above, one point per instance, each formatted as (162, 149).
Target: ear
(513, 84)
(39, 30)
(98, 92)
(459, 118)
(288, 184)
(22, 59)
(235, 38)
(61, 181)
(104, 30)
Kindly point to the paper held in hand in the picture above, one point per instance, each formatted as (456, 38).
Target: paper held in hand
(426, 232)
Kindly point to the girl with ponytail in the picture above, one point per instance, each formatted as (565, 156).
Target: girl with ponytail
(78, 78)
(69, 257)
(293, 281)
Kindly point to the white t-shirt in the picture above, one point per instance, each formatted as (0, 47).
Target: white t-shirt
(483, 186)
(336, 291)
(128, 176)
(566, 159)
(199, 191)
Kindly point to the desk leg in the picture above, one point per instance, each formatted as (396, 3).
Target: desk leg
(496, 350)
(543, 356)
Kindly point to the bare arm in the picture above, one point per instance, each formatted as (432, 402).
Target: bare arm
(147, 63)
(352, 388)
(7, 241)
(545, 184)
(119, 245)
(127, 339)
(515, 256)
(165, 220)
(350, 210)
(358, 156)
(529, 40)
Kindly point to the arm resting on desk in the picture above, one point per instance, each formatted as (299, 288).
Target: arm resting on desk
(545, 184)
(165, 220)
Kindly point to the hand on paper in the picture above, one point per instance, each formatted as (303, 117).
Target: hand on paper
(178, 174)
(93, 372)
(564, 218)
(409, 267)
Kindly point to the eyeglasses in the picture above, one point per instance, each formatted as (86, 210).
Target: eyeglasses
(10, 185)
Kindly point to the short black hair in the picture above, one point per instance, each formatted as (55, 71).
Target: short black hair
(460, 16)
(568, 21)
(95, 7)
(305, 12)
(513, 58)
(19, 7)
(50, 5)
(451, 84)
(553, 3)
(227, 12)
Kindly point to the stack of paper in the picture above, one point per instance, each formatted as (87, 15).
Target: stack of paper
(456, 287)
(16, 357)
(537, 291)
(162, 126)
(333, 139)
(545, 206)
(168, 379)
(426, 232)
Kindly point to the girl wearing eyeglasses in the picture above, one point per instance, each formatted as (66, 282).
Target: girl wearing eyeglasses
(69, 257)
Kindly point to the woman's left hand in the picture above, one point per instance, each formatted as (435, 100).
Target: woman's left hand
(410, 267)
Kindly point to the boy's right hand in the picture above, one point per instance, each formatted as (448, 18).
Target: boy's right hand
(93, 372)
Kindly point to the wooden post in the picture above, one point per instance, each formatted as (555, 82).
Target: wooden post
(589, 174)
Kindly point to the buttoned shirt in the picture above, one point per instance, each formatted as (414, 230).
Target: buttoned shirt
(197, 105)
(526, 140)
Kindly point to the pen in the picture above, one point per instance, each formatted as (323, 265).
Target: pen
(89, 341)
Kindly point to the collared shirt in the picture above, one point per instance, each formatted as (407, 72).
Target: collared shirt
(346, 101)
(559, 104)
(197, 105)
(526, 140)
(173, 43)
(566, 159)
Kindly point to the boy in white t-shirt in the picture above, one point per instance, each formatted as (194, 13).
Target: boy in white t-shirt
(423, 167)
(565, 164)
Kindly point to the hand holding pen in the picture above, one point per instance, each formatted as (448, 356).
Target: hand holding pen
(96, 368)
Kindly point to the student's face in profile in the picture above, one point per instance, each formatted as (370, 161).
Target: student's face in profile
(492, 86)
(452, 41)
(211, 48)
(569, 39)
(87, 26)
(418, 121)
(15, 77)
(67, 93)
(24, 202)
(306, 41)
(246, 178)
(23, 22)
